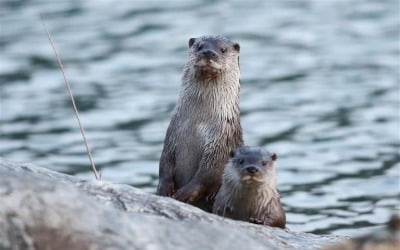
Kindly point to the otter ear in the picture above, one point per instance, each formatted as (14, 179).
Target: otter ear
(232, 153)
(274, 157)
(236, 46)
(191, 41)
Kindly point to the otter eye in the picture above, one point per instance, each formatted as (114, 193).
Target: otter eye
(199, 47)
(241, 161)
(274, 157)
(236, 46)
(264, 163)
(223, 50)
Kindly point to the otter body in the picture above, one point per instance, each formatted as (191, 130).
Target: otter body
(205, 124)
(248, 190)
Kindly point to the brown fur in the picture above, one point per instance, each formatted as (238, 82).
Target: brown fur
(205, 124)
(250, 196)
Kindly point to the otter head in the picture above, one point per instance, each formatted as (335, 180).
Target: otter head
(252, 166)
(211, 56)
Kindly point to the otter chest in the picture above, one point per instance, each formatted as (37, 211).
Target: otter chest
(205, 131)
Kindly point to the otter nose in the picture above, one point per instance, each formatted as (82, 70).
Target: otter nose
(252, 169)
(209, 54)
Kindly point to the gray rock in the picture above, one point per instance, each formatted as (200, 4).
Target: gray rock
(42, 209)
(383, 238)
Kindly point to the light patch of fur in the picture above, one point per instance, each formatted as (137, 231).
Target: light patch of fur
(211, 63)
(204, 131)
(246, 178)
(221, 94)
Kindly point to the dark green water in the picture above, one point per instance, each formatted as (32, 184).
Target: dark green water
(320, 87)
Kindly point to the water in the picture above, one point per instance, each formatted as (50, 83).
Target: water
(320, 87)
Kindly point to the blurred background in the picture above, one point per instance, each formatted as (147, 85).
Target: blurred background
(320, 87)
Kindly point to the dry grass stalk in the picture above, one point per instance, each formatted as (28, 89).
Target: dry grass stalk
(98, 177)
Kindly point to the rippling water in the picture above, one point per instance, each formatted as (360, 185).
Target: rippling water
(320, 86)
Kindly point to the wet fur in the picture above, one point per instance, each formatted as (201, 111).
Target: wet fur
(256, 202)
(204, 128)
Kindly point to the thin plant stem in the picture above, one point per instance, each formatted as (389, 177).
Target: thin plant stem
(98, 177)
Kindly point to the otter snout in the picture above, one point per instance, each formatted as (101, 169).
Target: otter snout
(251, 170)
(252, 173)
(208, 60)
(210, 55)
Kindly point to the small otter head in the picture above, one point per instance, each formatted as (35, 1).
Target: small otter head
(212, 55)
(252, 166)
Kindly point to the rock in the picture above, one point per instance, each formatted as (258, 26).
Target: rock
(387, 238)
(42, 209)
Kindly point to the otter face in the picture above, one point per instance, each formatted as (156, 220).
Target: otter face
(253, 165)
(211, 55)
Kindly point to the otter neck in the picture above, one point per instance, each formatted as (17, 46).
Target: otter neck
(219, 95)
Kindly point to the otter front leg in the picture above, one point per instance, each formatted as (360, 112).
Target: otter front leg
(222, 209)
(271, 220)
(166, 184)
(205, 182)
(166, 187)
(190, 193)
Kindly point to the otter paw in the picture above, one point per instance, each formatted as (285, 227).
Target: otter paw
(256, 221)
(187, 194)
(166, 189)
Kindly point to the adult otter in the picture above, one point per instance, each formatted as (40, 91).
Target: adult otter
(248, 190)
(205, 124)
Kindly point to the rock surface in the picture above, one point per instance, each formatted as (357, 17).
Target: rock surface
(387, 238)
(42, 209)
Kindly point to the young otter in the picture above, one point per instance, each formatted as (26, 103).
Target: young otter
(205, 124)
(248, 190)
